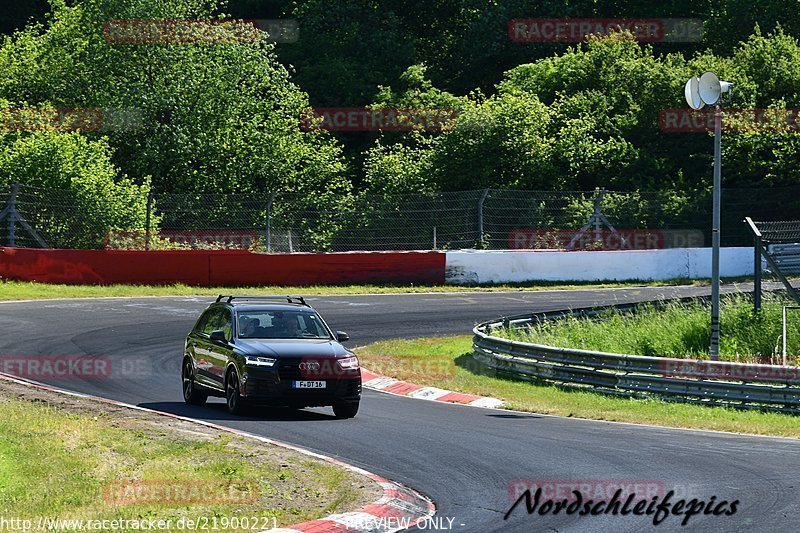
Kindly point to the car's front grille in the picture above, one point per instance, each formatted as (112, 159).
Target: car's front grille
(289, 369)
(343, 384)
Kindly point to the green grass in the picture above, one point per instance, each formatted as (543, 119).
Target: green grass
(447, 362)
(19, 290)
(677, 330)
(56, 463)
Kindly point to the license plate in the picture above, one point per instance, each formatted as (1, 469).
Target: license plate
(308, 384)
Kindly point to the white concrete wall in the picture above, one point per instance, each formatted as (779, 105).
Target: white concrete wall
(510, 266)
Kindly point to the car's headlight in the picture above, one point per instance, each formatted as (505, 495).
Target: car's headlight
(253, 360)
(349, 363)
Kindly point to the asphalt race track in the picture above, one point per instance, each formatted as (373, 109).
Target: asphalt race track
(464, 458)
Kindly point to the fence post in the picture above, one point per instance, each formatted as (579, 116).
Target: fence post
(481, 240)
(12, 215)
(269, 222)
(757, 244)
(598, 214)
(434, 237)
(147, 219)
(783, 334)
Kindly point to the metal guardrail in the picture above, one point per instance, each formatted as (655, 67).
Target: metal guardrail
(740, 385)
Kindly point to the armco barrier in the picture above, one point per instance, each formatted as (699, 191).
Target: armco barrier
(210, 268)
(512, 266)
(766, 387)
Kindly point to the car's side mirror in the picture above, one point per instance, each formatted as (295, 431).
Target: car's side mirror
(218, 336)
(341, 336)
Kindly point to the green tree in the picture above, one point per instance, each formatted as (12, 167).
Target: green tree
(75, 195)
(214, 116)
(346, 49)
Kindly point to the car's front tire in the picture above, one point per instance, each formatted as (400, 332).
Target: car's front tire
(233, 399)
(342, 409)
(191, 394)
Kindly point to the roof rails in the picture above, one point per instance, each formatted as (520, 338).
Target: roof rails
(290, 299)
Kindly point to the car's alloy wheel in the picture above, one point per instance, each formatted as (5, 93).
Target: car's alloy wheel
(190, 393)
(345, 409)
(234, 400)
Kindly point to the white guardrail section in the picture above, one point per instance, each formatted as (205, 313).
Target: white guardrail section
(753, 386)
(510, 266)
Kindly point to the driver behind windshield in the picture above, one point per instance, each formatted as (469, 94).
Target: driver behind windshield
(247, 326)
(288, 326)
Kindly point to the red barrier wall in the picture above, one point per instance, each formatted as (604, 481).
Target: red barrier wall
(209, 268)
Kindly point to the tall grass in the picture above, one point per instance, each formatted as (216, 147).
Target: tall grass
(678, 329)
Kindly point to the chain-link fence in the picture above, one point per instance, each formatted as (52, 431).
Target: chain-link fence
(291, 222)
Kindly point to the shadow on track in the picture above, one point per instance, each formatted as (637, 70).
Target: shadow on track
(217, 411)
(515, 416)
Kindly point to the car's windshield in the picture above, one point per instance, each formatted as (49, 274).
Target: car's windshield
(281, 325)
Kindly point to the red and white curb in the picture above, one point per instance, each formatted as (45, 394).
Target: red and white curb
(411, 390)
(399, 508)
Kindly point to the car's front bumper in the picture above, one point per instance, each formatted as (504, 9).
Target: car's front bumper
(269, 387)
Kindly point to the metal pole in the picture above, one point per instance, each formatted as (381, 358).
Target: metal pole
(147, 220)
(289, 235)
(12, 215)
(784, 335)
(757, 246)
(480, 218)
(598, 211)
(434, 237)
(269, 222)
(715, 231)
(757, 270)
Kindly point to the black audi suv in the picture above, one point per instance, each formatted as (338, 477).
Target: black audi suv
(270, 351)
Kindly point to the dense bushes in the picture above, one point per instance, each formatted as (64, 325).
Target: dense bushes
(591, 118)
(224, 117)
(81, 195)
